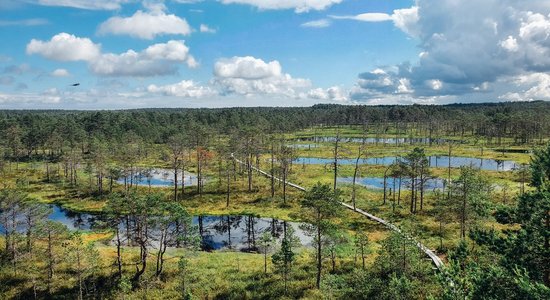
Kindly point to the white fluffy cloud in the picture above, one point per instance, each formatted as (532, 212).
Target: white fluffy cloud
(248, 76)
(299, 6)
(84, 4)
(158, 59)
(247, 67)
(473, 46)
(333, 94)
(535, 86)
(184, 88)
(406, 19)
(65, 47)
(60, 73)
(146, 25)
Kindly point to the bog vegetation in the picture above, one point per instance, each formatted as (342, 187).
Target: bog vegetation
(133, 204)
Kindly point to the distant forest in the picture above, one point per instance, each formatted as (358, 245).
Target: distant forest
(523, 122)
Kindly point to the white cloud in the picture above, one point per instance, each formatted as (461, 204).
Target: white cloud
(84, 4)
(146, 25)
(366, 17)
(322, 23)
(247, 67)
(405, 19)
(184, 88)
(248, 76)
(205, 29)
(470, 50)
(65, 47)
(158, 59)
(334, 94)
(299, 6)
(60, 73)
(436, 84)
(404, 86)
(534, 86)
(510, 44)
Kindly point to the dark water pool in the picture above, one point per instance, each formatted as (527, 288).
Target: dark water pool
(378, 182)
(231, 232)
(158, 178)
(435, 161)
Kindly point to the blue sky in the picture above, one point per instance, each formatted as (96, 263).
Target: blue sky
(218, 53)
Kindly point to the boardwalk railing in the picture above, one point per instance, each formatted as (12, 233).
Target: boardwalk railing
(435, 259)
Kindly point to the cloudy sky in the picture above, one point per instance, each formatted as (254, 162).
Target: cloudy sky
(219, 53)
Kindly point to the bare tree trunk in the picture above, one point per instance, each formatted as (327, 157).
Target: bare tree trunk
(228, 190)
(176, 179)
(319, 260)
(272, 171)
(118, 252)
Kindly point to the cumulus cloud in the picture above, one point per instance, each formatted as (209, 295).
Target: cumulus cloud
(84, 4)
(60, 73)
(333, 94)
(247, 67)
(510, 44)
(535, 86)
(472, 46)
(322, 23)
(184, 88)
(299, 6)
(146, 25)
(65, 47)
(248, 76)
(158, 59)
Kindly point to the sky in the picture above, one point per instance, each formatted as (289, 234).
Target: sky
(127, 54)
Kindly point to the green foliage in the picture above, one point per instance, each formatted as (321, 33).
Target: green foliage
(283, 259)
(523, 268)
(470, 199)
(540, 167)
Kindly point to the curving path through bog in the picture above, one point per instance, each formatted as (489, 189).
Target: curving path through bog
(435, 259)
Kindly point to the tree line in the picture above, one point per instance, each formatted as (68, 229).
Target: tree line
(27, 133)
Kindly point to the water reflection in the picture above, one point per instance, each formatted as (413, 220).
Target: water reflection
(378, 182)
(157, 178)
(237, 233)
(241, 232)
(434, 161)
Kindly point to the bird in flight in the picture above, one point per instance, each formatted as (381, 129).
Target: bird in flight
(75, 84)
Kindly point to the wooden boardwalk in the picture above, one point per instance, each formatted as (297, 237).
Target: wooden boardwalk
(435, 259)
